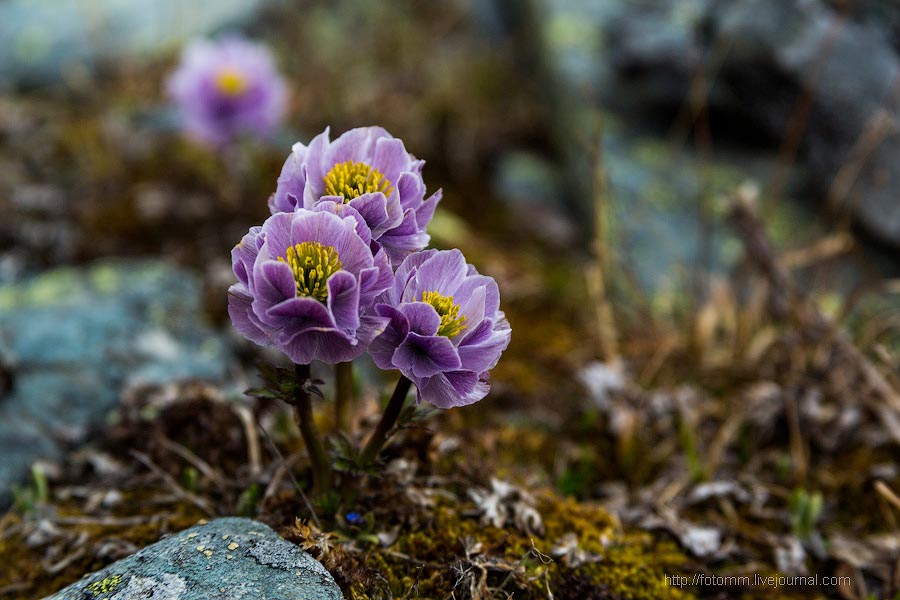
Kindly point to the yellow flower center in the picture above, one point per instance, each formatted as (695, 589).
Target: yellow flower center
(230, 82)
(452, 323)
(353, 179)
(312, 264)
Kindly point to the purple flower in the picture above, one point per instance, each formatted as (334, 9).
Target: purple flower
(369, 170)
(304, 281)
(228, 88)
(446, 328)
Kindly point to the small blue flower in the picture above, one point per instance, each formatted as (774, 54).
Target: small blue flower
(354, 518)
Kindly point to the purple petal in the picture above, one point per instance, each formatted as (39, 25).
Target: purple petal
(424, 356)
(297, 316)
(443, 272)
(490, 289)
(343, 300)
(244, 255)
(328, 346)
(471, 305)
(314, 185)
(406, 271)
(356, 144)
(370, 328)
(277, 232)
(343, 211)
(291, 182)
(411, 189)
(456, 388)
(273, 282)
(390, 157)
(480, 350)
(239, 301)
(425, 211)
(423, 318)
(404, 239)
(383, 347)
(373, 208)
(376, 279)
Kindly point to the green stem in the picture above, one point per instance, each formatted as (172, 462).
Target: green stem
(379, 436)
(304, 414)
(343, 399)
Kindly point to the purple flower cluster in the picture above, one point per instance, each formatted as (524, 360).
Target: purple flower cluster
(340, 269)
(228, 88)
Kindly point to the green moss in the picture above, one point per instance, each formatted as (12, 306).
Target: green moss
(453, 551)
(638, 569)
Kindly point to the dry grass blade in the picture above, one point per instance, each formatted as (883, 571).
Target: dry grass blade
(598, 273)
(197, 462)
(179, 491)
(285, 465)
(824, 249)
(63, 563)
(786, 302)
(888, 494)
(109, 521)
(253, 450)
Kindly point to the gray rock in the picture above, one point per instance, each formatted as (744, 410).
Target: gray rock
(70, 339)
(229, 559)
(767, 52)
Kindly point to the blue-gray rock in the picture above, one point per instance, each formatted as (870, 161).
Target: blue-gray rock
(71, 338)
(228, 559)
(762, 56)
(44, 41)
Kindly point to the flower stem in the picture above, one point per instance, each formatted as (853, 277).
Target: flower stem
(303, 413)
(343, 400)
(379, 436)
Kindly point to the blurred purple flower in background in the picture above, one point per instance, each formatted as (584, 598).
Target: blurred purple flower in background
(304, 281)
(369, 170)
(228, 88)
(446, 328)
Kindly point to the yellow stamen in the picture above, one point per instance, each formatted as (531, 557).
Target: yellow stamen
(353, 179)
(231, 82)
(452, 323)
(312, 264)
